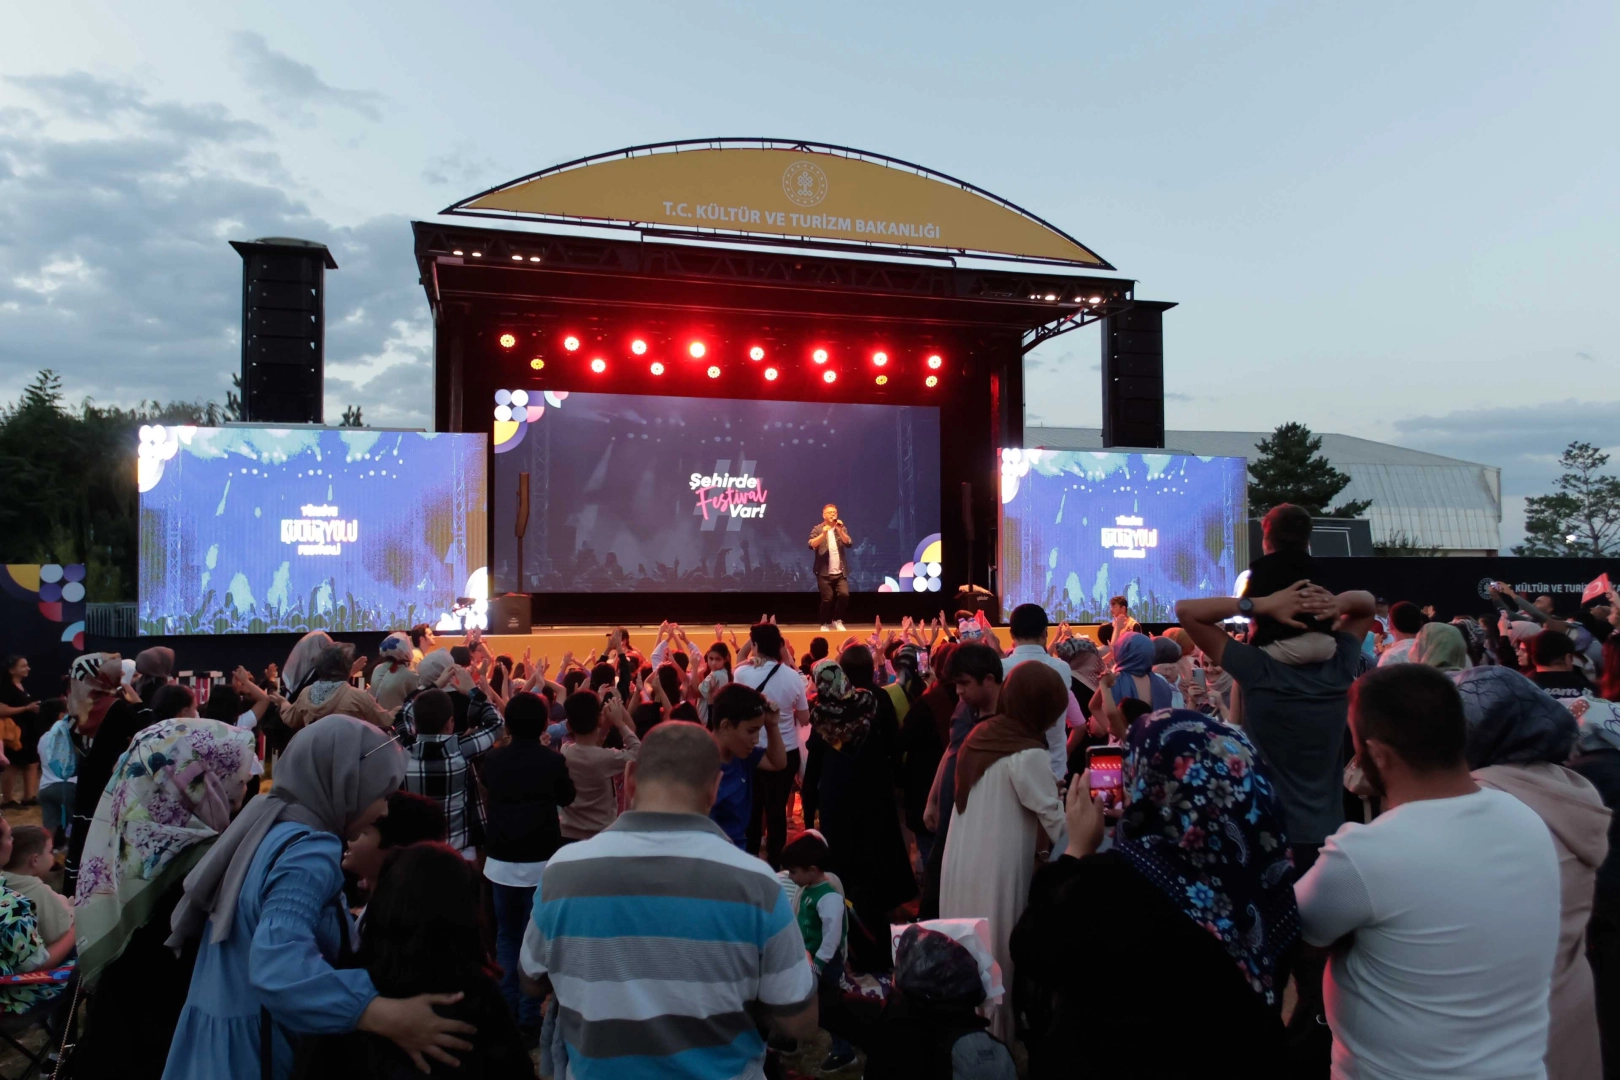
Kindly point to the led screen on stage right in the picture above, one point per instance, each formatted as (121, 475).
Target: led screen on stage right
(1078, 528)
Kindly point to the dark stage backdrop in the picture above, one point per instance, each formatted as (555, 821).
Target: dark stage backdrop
(1456, 586)
(637, 494)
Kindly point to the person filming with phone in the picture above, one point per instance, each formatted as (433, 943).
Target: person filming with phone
(830, 541)
(1200, 914)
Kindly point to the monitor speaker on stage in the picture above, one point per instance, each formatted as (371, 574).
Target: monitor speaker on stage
(283, 329)
(1133, 375)
(511, 613)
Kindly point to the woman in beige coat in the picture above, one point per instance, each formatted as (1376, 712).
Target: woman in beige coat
(1518, 741)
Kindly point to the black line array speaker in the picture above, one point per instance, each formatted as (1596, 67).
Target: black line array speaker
(1133, 375)
(284, 329)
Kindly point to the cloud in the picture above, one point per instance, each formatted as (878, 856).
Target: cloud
(1171, 395)
(116, 272)
(291, 87)
(462, 169)
(1584, 356)
(1524, 440)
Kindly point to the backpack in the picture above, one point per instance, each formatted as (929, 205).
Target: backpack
(58, 752)
(979, 1055)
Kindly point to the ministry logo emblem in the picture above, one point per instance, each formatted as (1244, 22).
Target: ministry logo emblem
(804, 183)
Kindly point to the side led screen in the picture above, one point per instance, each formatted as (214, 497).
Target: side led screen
(1078, 528)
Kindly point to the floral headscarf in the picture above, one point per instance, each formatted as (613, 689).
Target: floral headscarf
(842, 715)
(1204, 825)
(173, 790)
(21, 950)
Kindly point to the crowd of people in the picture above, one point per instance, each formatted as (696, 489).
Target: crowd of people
(1307, 832)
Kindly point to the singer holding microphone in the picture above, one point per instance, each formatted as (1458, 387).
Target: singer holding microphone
(830, 540)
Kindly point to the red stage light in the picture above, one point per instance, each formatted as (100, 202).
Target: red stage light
(819, 356)
(714, 371)
(657, 368)
(829, 376)
(571, 343)
(935, 362)
(770, 374)
(931, 382)
(537, 363)
(883, 380)
(697, 350)
(638, 347)
(756, 353)
(599, 365)
(508, 340)
(880, 358)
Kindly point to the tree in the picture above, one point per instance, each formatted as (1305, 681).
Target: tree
(1291, 469)
(351, 417)
(1582, 517)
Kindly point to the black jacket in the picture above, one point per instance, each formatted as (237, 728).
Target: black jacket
(526, 783)
(818, 537)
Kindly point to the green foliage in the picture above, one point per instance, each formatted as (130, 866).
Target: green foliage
(351, 417)
(1580, 518)
(70, 479)
(1291, 469)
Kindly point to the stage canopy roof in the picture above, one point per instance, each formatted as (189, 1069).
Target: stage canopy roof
(766, 189)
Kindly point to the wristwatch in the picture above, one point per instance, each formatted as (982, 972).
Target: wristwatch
(1245, 606)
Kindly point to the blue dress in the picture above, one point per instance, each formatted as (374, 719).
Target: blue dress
(288, 920)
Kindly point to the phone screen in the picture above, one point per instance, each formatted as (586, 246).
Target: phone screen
(1107, 767)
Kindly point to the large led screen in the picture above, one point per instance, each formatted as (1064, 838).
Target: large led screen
(632, 493)
(1078, 528)
(259, 530)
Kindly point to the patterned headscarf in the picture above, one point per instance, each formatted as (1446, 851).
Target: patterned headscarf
(96, 678)
(1511, 720)
(1204, 825)
(174, 789)
(841, 715)
(1081, 654)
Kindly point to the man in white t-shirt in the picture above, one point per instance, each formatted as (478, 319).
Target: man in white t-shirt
(1405, 620)
(769, 672)
(1028, 625)
(1442, 913)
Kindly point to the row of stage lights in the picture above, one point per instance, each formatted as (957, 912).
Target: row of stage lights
(697, 350)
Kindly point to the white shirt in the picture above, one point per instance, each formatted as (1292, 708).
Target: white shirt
(1398, 653)
(1454, 908)
(517, 875)
(835, 561)
(785, 690)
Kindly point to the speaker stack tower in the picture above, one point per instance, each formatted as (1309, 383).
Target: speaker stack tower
(1133, 375)
(284, 329)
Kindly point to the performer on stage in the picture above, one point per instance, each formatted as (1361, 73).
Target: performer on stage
(829, 540)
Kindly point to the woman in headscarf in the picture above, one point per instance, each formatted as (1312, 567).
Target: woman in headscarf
(1134, 654)
(394, 678)
(1441, 646)
(174, 792)
(299, 670)
(331, 694)
(856, 788)
(267, 901)
(1192, 909)
(154, 668)
(1518, 740)
(108, 717)
(1005, 798)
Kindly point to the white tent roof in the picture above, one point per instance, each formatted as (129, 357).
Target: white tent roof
(1430, 500)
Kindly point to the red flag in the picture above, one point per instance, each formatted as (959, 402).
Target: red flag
(1598, 588)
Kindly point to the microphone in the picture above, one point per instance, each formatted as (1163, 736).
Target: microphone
(839, 523)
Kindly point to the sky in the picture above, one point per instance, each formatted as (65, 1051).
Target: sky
(1396, 221)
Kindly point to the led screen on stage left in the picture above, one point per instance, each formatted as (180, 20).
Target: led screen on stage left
(1078, 528)
(264, 530)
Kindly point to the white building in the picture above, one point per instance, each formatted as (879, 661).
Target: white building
(1418, 499)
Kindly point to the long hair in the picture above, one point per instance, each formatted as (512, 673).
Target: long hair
(422, 924)
(859, 667)
(725, 656)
